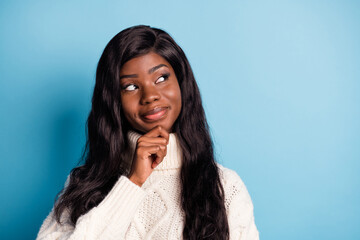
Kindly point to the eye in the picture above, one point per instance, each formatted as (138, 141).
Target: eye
(130, 87)
(163, 78)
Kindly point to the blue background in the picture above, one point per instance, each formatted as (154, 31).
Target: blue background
(280, 82)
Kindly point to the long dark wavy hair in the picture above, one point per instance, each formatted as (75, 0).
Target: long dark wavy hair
(202, 195)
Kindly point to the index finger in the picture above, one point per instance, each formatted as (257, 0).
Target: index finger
(158, 131)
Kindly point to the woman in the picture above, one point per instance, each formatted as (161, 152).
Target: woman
(149, 169)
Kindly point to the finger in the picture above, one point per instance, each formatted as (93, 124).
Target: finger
(156, 162)
(159, 157)
(147, 144)
(147, 151)
(158, 131)
(154, 153)
(153, 140)
(160, 154)
(157, 152)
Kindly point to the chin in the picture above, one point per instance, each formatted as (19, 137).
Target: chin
(146, 129)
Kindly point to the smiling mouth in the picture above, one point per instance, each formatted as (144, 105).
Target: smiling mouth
(155, 114)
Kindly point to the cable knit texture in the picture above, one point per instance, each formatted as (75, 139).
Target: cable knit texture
(154, 210)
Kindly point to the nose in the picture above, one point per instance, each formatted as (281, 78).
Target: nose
(149, 95)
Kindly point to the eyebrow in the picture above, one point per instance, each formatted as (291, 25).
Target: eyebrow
(151, 70)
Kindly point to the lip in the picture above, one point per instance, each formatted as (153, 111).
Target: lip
(155, 114)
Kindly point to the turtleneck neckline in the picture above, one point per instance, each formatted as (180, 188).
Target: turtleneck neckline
(173, 158)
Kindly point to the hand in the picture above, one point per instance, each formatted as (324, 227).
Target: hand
(150, 151)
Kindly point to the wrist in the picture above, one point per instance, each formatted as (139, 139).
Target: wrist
(135, 180)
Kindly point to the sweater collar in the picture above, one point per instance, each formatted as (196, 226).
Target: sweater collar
(173, 158)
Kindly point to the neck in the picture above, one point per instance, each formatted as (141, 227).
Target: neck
(173, 158)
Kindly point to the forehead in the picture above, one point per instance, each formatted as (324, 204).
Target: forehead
(143, 63)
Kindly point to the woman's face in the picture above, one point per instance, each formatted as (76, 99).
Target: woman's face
(150, 93)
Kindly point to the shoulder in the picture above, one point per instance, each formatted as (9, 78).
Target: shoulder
(238, 204)
(234, 188)
(229, 176)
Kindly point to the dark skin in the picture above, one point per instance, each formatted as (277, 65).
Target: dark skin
(151, 101)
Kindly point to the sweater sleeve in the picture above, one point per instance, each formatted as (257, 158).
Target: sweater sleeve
(239, 207)
(109, 220)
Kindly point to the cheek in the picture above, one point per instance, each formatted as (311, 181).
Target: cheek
(175, 97)
(178, 100)
(128, 107)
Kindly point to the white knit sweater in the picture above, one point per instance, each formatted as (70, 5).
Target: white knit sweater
(152, 211)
